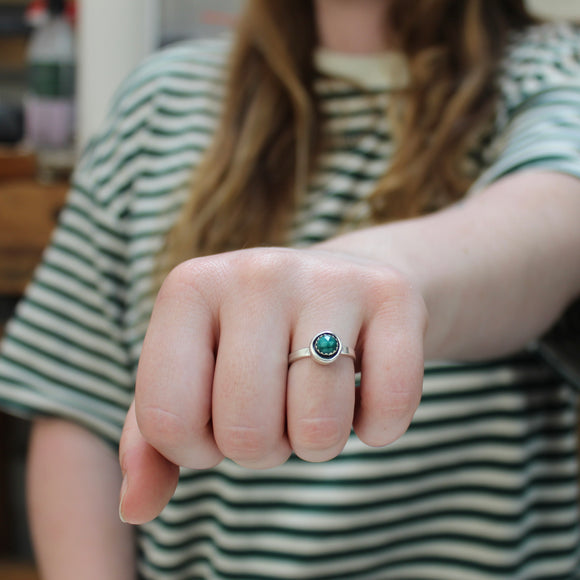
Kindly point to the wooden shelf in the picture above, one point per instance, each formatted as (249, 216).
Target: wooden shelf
(17, 571)
(28, 213)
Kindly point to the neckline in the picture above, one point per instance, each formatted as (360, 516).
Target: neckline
(378, 71)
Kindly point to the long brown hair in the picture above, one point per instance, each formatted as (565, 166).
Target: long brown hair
(248, 183)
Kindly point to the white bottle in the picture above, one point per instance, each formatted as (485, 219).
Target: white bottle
(50, 100)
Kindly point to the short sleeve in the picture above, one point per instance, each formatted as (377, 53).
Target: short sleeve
(72, 349)
(65, 352)
(538, 119)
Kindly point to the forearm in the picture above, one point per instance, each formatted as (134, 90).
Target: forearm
(495, 272)
(73, 489)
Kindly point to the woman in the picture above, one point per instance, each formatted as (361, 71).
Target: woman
(424, 166)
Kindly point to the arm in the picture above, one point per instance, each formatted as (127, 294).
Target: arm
(489, 276)
(495, 271)
(73, 483)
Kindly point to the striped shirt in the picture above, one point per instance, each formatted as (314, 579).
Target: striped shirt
(482, 486)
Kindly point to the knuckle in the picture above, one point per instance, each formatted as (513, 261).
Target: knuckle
(390, 286)
(163, 429)
(384, 431)
(184, 281)
(381, 436)
(240, 443)
(402, 403)
(398, 401)
(318, 434)
(261, 269)
(393, 285)
(384, 420)
(180, 276)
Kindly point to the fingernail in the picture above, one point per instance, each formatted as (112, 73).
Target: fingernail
(122, 494)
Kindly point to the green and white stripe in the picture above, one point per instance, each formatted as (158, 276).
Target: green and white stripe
(484, 484)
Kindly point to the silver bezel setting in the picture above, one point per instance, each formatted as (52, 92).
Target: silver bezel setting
(321, 358)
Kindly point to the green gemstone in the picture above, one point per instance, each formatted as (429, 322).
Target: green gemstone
(326, 345)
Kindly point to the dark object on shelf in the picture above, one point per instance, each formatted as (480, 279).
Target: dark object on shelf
(57, 6)
(13, 20)
(11, 123)
(561, 346)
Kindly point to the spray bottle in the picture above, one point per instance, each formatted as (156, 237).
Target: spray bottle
(49, 102)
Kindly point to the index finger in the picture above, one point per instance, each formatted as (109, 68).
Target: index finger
(173, 392)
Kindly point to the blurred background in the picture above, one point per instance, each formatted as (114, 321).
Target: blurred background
(60, 63)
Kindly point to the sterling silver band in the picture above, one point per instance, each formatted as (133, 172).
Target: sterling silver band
(305, 353)
(324, 349)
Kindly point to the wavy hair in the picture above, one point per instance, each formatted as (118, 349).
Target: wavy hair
(269, 135)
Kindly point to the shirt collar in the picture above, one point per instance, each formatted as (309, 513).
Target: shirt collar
(379, 71)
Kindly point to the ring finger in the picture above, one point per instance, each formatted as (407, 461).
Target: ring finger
(320, 397)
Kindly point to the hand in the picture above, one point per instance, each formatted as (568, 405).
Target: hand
(214, 380)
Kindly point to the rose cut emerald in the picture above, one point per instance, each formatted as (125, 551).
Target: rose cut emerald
(326, 345)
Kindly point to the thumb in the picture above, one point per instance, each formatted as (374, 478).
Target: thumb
(149, 479)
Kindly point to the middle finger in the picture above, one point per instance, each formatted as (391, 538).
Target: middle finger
(249, 392)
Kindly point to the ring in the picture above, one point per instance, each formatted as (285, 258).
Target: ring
(325, 348)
